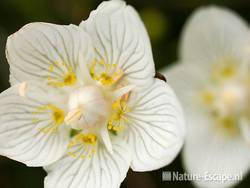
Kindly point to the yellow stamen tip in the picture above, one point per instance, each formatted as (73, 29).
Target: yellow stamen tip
(207, 97)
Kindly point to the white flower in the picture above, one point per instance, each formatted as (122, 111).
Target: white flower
(213, 83)
(84, 102)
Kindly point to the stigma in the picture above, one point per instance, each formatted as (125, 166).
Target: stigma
(234, 97)
(87, 107)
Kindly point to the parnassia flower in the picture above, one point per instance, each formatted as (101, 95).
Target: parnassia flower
(213, 82)
(84, 102)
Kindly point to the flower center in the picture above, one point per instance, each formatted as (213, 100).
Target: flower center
(226, 96)
(98, 110)
(88, 106)
(233, 97)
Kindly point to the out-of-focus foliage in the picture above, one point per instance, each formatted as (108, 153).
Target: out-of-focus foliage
(155, 22)
(164, 20)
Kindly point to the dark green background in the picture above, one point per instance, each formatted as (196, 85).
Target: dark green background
(164, 20)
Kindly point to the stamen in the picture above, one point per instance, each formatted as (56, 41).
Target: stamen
(82, 145)
(118, 119)
(207, 97)
(22, 89)
(68, 79)
(229, 123)
(224, 69)
(105, 73)
(57, 117)
(123, 91)
(73, 116)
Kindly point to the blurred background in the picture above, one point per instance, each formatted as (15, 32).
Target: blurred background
(164, 20)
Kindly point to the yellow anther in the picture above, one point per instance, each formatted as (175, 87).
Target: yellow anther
(83, 142)
(105, 79)
(224, 69)
(117, 119)
(228, 71)
(110, 127)
(229, 123)
(57, 117)
(106, 73)
(83, 139)
(92, 68)
(89, 138)
(207, 97)
(68, 79)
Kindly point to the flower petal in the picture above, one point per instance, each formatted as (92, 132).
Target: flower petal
(102, 169)
(245, 129)
(47, 52)
(212, 34)
(120, 38)
(31, 128)
(156, 127)
(183, 78)
(104, 134)
(208, 151)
